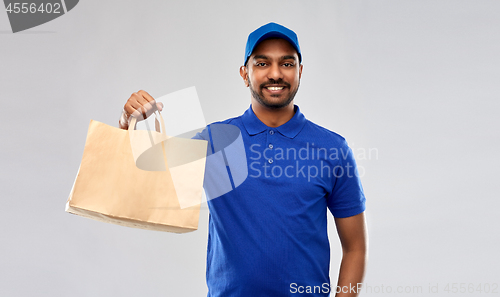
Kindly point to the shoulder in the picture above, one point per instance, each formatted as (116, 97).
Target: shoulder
(324, 135)
(230, 121)
(204, 134)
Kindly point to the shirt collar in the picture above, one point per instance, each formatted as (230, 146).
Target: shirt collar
(289, 129)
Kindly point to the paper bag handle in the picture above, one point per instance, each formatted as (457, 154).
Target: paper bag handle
(133, 122)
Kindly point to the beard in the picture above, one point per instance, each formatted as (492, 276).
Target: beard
(259, 95)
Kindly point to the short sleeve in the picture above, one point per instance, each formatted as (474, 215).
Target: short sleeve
(203, 135)
(347, 197)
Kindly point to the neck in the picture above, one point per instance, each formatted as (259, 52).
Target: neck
(273, 117)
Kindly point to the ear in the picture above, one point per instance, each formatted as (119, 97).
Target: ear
(244, 75)
(300, 71)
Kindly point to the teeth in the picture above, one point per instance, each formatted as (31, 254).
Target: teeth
(274, 88)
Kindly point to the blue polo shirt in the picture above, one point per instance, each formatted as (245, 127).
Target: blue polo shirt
(268, 236)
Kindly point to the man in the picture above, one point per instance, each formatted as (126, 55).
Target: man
(268, 236)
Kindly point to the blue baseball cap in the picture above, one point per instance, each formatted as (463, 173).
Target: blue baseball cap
(268, 31)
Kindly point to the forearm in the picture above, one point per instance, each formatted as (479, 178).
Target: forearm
(352, 270)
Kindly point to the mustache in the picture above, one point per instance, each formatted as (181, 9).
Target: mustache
(275, 82)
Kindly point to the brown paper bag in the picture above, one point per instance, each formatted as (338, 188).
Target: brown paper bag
(125, 178)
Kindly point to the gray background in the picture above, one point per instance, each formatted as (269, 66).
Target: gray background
(415, 80)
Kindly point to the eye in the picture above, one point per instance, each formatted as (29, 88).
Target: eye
(260, 64)
(288, 64)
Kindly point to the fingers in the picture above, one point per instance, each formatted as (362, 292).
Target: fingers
(146, 96)
(148, 104)
(141, 105)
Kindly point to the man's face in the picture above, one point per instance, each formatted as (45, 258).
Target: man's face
(273, 73)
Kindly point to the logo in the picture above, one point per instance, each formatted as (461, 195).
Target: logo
(214, 158)
(26, 15)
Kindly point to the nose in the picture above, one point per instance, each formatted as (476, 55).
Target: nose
(274, 72)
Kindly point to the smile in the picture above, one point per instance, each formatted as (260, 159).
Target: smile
(274, 88)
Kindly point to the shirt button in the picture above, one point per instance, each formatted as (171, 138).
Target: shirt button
(271, 132)
(270, 161)
(270, 146)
